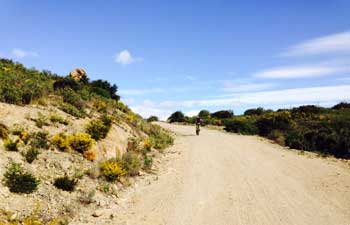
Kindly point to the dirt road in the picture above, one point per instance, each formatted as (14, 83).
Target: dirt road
(228, 179)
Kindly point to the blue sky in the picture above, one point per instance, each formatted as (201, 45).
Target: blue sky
(190, 55)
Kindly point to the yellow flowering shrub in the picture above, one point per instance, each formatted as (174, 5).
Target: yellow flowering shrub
(61, 141)
(112, 170)
(147, 144)
(81, 142)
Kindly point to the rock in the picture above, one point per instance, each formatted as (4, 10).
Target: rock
(13, 217)
(78, 74)
(97, 213)
(101, 203)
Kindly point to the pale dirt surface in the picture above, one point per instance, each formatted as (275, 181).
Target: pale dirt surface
(227, 179)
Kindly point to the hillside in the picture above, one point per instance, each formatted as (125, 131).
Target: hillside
(68, 145)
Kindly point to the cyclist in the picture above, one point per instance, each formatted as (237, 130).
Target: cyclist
(198, 124)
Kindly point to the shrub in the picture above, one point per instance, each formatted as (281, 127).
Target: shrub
(18, 180)
(98, 129)
(241, 126)
(112, 170)
(131, 163)
(105, 89)
(65, 183)
(223, 114)
(31, 155)
(204, 114)
(281, 121)
(54, 118)
(4, 132)
(295, 140)
(277, 136)
(41, 121)
(133, 144)
(24, 136)
(11, 145)
(152, 119)
(147, 144)
(65, 83)
(39, 140)
(258, 111)
(81, 142)
(61, 141)
(71, 97)
(147, 162)
(90, 155)
(72, 110)
(342, 105)
(177, 116)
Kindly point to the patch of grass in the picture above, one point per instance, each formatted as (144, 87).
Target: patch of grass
(18, 180)
(72, 110)
(54, 118)
(39, 140)
(65, 183)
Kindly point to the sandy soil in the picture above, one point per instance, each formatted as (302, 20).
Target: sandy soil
(227, 179)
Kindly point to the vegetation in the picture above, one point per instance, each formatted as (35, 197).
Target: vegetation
(54, 118)
(131, 163)
(39, 140)
(4, 132)
(152, 119)
(11, 145)
(31, 155)
(112, 170)
(307, 128)
(18, 180)
(98, 129)
(177, 116)
(65, 183)
(81, 142)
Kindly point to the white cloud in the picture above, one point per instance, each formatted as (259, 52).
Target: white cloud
(312, 95)
(232, 86)
(335, 43)
(134, 92)
(148, 108)
(192, 113)
(124, 58)
(290, 72)
(18, 53)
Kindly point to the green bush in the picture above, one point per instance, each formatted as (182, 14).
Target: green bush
(11, 145)
(71, 97)
(131, 163)
(65, 83)
(65, 183)
(277, 136)
(39, 140)
(81, 142)
(277, 121)
(177, 116)
(295, 140)
(18, 180)
(223, 114)
(4, 132)
(147, 162)
(241, 126)
(72, 110)
(152, 119)
(31, 155)
(41, 121)
(98, 129)
(54, 118)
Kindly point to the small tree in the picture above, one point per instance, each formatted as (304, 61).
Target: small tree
(204, 114)
(177, 116)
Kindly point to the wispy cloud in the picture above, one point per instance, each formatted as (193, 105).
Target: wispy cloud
(334, 43)
(133, 92)
(304, 71)
(311, 95)
(19, 53)
(124, 58)
(148, 108)
(191, 78)
(236, 86)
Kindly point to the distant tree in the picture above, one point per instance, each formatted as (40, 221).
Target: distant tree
(204, 114)
(342, 105)
(312, 109)
(177, 116)
(223, 114)
(101, 87)
(258, 111)
(152, 119)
